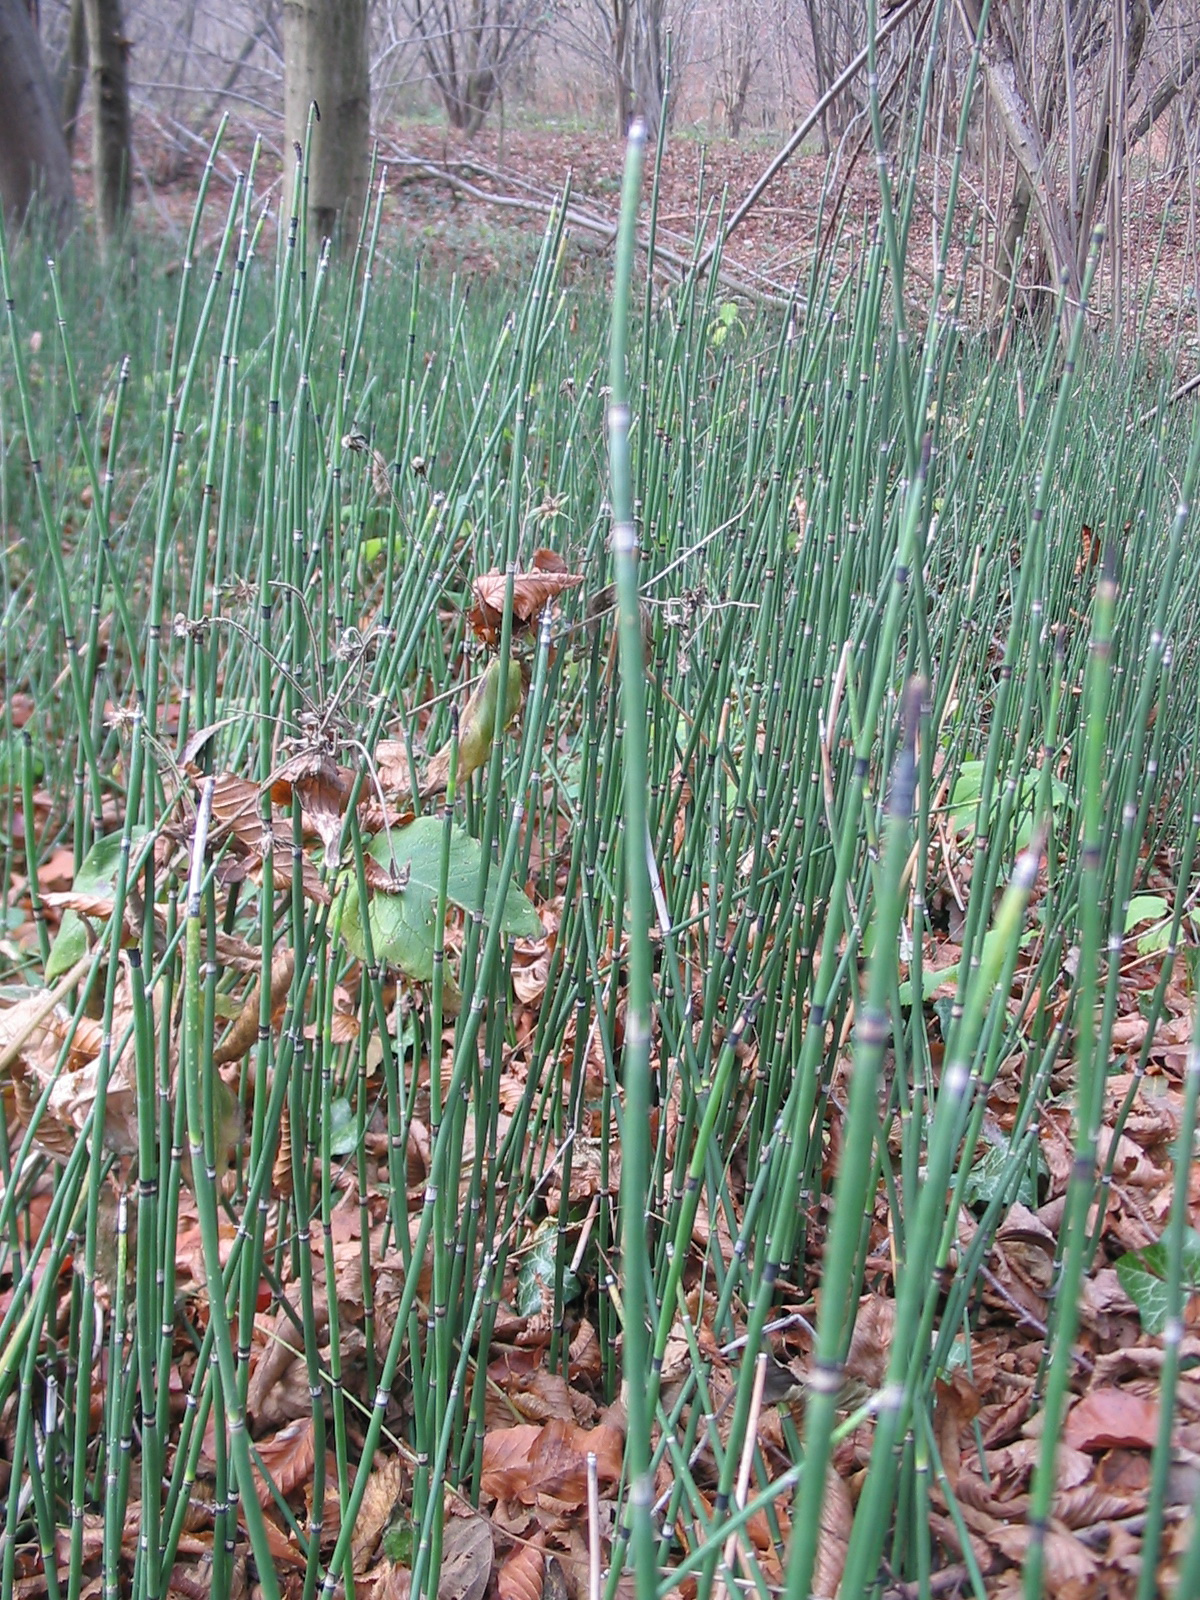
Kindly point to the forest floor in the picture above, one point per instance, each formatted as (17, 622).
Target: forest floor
(479, 208)
(479, 205)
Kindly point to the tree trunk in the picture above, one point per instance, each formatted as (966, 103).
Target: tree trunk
(73, 75)
(33, 153)
(735, 108)
(621, 75)
(1003, 79)
(648, 64)
(820, 72)
(108, 49)
(325, 60)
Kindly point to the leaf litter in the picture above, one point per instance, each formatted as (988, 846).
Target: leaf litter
(548, 1434)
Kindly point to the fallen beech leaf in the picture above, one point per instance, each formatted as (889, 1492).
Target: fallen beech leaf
(587, 1359)
(467, 1555)
(871, 1341)
(1111, 1418)
(390, 1580)
(837, 1521)
(243, 1032)
(527, 1461)
(391, 766)
(380, 1499)
(540, 1395)
(323, 788)
(1089, 551)
(531, 591)
(1068, 1559)
(236, 809)
(531, 968)
(1088, 1504)
(287, 1457)
(521, 1573)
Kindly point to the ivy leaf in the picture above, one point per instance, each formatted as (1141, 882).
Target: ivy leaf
(343, 1127)
(535, 1280)
(403, 923)
(991, 1172)
(1143, 1274)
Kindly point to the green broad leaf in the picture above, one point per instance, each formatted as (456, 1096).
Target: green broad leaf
(399, 1544)
(343, 1127)
(932, 979)
(964, 797)
(968, 788)
(1152, 908)
(535, 1280)
(1145, 908)
(992, 1171)
(11, 761)
(1143, 1276)
(97, 875)
(403, 924)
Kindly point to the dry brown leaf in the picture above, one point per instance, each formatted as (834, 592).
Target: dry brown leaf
(283, 1179)
(531, 591)
(871, 1341)
(286, 1459)
(1068, 1560)
(540, 1395)
(1089, 551)
(243, 1032)
(528, 1461)
(379, 1501)
(323, 789)
(278, 1389)
(531, 968)
(467, 1556)
(72, 1092)
(389, 1581)
(310, 878)
(283, 1552)
(587, 1361)
(521, 1573)
(956, 1405)
(236, 810)
(1088, 1504)
(837, 1521)
(1108, 1418)
(391, 766)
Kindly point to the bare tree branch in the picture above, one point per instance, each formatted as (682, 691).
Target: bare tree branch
(903, 10)
(1000, 70)
(1173, 84)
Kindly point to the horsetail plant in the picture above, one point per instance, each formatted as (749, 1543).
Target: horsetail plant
(553, 946)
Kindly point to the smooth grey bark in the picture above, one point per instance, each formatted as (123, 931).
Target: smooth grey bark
(73, 73)
(637, 29)
(33, 153)
(648, 65)
(108, 51)
(325, 61)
